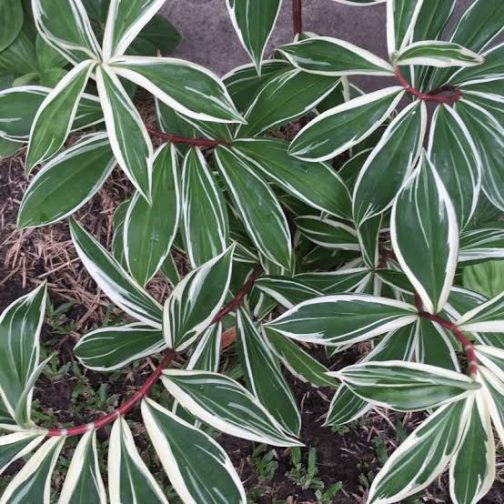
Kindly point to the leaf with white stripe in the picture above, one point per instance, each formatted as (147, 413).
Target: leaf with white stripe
(369, 240)
(33, 482)
(129, 479)
(55, 117)
(225, 405)
(488, 317)
(422, 457)
(493, 390)
(149, 229)
(316, 184)
(11, 19)
(453, 152)
(432, 18)
(402, 16)
(123, 290)
(328, 233)
(265, 223)
(198, 468)
(359, 3)
(66, 27)
(206, 355)
(483, 243)
(423, 209)
(254, 21)
(283, 99)
(205, 217)
(334, 282)
(67, 182)
(111, 348)
(343, 319)
(334, 57)
(344, 126)
(20, 326)
(196, 300)
(488, 135)
(390, 163)
(300, 363)
(493, 67)
(125, 20)
(17, 445)
(83, 482)
(437, 53)
(435, 346)
(264, 376)
(128, 136)
(472, 470)
(286, 291)
(188, 88)
(19, 106)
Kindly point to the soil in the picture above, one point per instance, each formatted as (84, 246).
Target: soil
(350, 455)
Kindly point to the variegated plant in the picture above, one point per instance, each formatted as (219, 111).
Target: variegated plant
(354, 231)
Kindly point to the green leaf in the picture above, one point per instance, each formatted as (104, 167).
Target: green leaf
(205, 219)
(487, 317)
(335, 282)
(264, 376)
(11, 21)
(8, 148)
(125, 20)
(369, 240)
(483, 243)
(254, 22)
(158, 35)
(55, 117)
(343, 319)
(265, 223)
(344, 126)
(406, 386)
(437, 53)
(316, 184)
(149, 229)
(20, 326)
(111, 348)
(286, 291)
(129, 478)
(493, 67)
(284, 98)
(422, 457)
(196, 300)
(328, 233)
(83, 481)
(19, 105)
(432, 18)
(486, 278)
(488, 136)
(300, 363)
(190, 89)
(198, 468)
(66, 27)
(20, 57)
(402, 16)
(454, 154)
(334, 57)
(243, 83)
(434, 346)
(67, 182)
(423, 210)
(17, 445)
(346, 407)
(493, 390)
(33, 482)
(48, 58)
(390, 163)
(113, 280)
(225, 405)
(128, 136)
(206, 355)
(472, 470)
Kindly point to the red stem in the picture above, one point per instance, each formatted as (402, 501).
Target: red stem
(465, 342)
(449, 99)
(195, 142)
(169, 356)
(297, 16)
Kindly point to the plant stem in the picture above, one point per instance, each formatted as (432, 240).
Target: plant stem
(195, 142)
(466, 344)
(168, 357)
(297, 16)
(433, 96)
